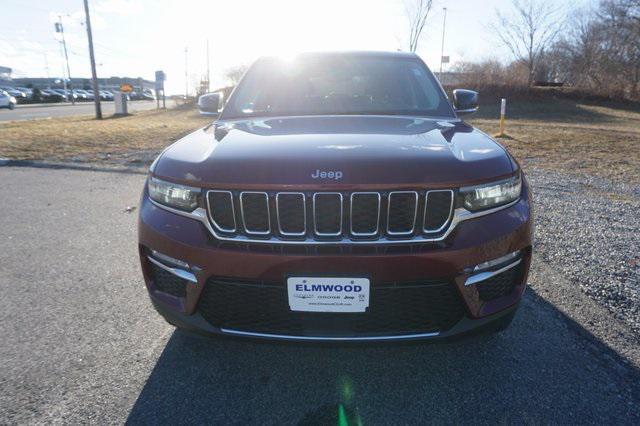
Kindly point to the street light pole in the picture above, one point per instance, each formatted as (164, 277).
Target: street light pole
(94, 74)
(64, 73)
(60, 29)
(186, 73)
(444, 24)
(208, 70)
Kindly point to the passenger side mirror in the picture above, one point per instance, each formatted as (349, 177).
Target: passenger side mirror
(465, 101)
(209, 104)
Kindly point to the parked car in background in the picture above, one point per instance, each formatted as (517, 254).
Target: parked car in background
(6, 100)
(105, 95)
(83, 95)
(50, 96)
(27, 91)
(147, 94)
(100, 94)
(17, 94)
(67, 94)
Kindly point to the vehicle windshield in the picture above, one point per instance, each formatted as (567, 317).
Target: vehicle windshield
(338, 84)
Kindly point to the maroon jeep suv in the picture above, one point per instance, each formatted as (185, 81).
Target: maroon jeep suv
(337, 197)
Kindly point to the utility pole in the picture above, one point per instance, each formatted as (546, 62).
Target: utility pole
(444, 24)
(46, 66)
(208, 70)
(60, 29)
(64, 73)
(94, 74)
(186, 73)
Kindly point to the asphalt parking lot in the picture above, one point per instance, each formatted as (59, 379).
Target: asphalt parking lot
(44, 111)
(82, 344)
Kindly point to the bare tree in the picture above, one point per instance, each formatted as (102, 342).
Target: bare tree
(417, 13)
(528, 31)
(600, 52)
(235, 73)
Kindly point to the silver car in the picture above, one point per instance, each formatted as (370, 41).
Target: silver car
(6, 100)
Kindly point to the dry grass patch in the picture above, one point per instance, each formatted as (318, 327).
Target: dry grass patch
(602, 140)
(599, 140)
(87, 139)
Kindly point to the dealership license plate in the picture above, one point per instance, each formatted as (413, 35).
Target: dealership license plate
(309, 294)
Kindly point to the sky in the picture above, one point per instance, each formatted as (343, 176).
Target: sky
(135, 38)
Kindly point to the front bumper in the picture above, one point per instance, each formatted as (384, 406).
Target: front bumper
(471, 243)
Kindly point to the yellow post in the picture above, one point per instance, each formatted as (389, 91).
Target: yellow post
(503, 110)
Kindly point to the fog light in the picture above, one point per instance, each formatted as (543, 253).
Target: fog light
(485, 270)
(174, 266)
(169, 260)
(495, 262)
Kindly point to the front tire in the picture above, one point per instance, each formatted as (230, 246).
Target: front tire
(11, 105)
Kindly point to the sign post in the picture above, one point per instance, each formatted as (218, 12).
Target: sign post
(160, 78)
(120, 99)
(503, 110)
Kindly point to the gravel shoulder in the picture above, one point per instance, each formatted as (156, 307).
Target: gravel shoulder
(588, 228)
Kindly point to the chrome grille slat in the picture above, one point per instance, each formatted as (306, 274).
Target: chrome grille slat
(375, 231)
(390, 204)
(281, 213)
(212, 210)
(246, 210)
(322, 217)
(428, 209)
(317, 195)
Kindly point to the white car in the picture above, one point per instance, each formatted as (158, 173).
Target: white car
(6, 100)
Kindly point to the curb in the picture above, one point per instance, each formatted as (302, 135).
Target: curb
(6, 162)
(67, 104)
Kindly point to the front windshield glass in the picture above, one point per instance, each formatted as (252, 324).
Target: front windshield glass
(338, 84)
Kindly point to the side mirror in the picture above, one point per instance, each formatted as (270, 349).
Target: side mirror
(465, 101)
(209, 104)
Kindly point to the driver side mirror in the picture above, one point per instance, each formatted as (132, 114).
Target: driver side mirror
(209, 104)
(465, 101)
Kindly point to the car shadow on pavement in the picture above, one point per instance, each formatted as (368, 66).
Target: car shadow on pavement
(544, 369)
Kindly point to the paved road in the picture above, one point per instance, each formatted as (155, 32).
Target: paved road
(30, 112)
(81, 343)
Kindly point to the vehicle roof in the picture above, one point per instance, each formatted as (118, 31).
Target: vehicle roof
(360, 53)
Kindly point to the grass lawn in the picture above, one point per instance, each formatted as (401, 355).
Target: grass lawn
(572, 137)
(601, 140)
(89, 140)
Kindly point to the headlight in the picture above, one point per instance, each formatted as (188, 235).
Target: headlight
(173, 195)
(492, 195)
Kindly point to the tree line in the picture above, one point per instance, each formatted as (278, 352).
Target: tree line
(596, 50)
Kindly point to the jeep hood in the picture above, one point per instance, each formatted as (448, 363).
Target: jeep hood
(373, 150)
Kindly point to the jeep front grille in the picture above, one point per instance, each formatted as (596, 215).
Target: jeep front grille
(400, 308)
(330, 216)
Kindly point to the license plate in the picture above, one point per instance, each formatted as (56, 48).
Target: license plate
(310, 294)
